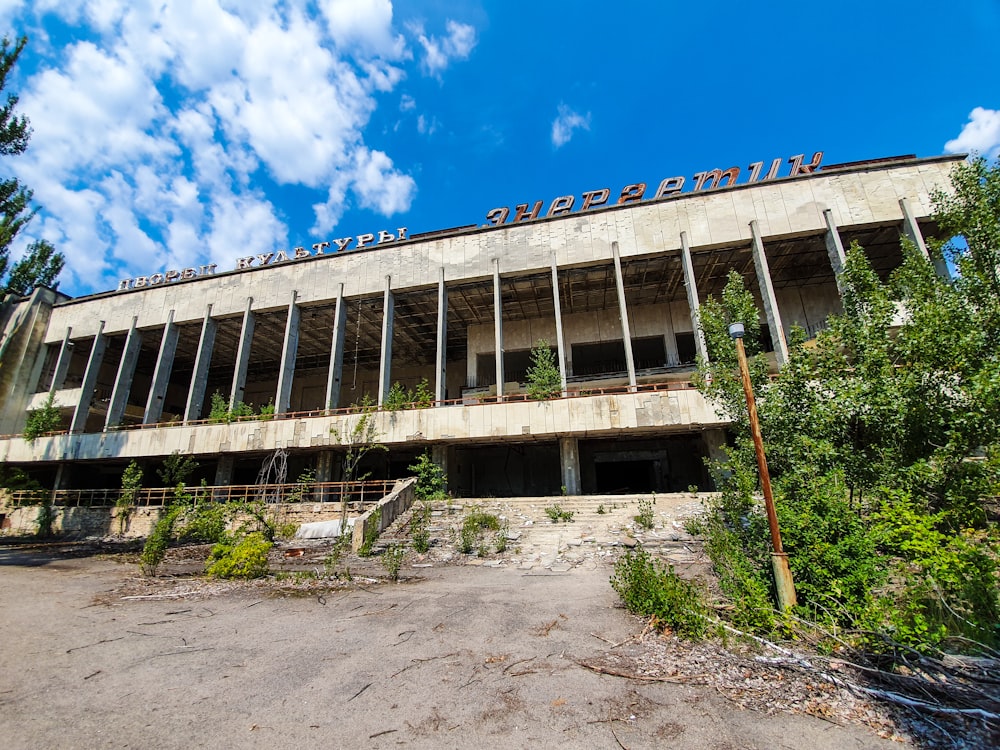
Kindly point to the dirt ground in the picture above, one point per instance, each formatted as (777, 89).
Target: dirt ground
(451, 657)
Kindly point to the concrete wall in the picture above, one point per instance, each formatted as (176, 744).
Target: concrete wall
(387, 510)
(631, 413)
(782, 208)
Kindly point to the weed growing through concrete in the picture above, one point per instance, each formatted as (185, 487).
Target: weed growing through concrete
(557, 513)
(392, 560)
(645, 517)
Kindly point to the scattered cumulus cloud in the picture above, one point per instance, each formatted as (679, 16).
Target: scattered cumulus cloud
(981, 134)
(427, 126)
(566, 123)
(439, 52)
(152, 132)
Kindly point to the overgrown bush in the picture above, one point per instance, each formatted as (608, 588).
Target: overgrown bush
(131, 485)
(205, 523)
(645, 516)
(43, 420)
(475, 527)
(432, 482)
(543, 377)
(372, 531)
(239, 557)
(652, 589)
(420, 528)
(158, 541)
(392, 560)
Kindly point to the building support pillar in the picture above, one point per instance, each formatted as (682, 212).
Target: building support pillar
(694, 304)
(202, 361)
(324, 473)
(767, 295)
(912, 230)
(560, 341)
(335, 373)
(161, 374)
(283, 398)
(224, 470)
(79, 421)
(623, 312)
(62, 363)
(835, 249)
(123, 381)
(439, 455)
(498, 327)
(238, 389)
(385, 358)
(441, 358)
(569, 459)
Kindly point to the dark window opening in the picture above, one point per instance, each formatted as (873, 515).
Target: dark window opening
(619, 477)
(686, 351)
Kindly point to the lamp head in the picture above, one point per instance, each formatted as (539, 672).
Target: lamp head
(736, 330)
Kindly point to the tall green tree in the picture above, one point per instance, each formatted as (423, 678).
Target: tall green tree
(41, 264)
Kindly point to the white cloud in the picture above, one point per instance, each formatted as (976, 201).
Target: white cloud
(566, 122)
(427, 127)
(364, 26)
(406, 103)
(438, 53)
(981, 134)
(379, 185)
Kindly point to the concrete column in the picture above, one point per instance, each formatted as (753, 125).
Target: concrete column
(767, 294)
(243, 355)
(560, 341)
(912, 230)
(569, 459)
(835, 249)
(694, 304)
(82, 411)
(441, 360)
(324, 472)
(283, 398)
(202, 360)
(161, 375)
(498, 327)
(62, 363)
(385, 359)
(123, 381)
(439, 455)
(335, 373)
(224, 470)
(623, 312)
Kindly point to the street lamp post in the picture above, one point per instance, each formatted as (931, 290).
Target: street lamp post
(783, 583)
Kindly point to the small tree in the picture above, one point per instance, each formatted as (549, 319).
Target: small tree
(43, 420)
(176, 469)
(360, 439)
(544, 378)
(432, 482)
(131, 484)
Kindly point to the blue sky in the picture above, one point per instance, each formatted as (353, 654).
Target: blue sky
(179, 133)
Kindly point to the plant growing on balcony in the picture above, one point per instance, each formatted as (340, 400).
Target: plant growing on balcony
(544, 379)
(43, 420)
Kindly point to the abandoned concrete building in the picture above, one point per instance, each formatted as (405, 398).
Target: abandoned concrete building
(613, 286)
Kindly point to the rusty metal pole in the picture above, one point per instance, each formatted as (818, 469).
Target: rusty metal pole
(783, 583)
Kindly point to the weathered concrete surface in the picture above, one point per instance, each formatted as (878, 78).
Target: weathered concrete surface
(462, 658)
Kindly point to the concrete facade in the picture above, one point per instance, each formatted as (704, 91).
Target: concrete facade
(613, 290)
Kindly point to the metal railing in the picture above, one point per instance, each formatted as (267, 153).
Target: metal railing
(356, 493)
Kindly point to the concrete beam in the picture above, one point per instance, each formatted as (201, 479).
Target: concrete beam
(767, 295)
(62, 363)
(623, 312)
(385, 358)
(123, 381)
(560, 340)
(161, 373)
(202, 361)
(238, 388)
(694, 304)
(441, 358)
(912, 230)
(835, 249)
(82, 410)
(290, 347)
(569, 459)
(498, 327)
(335, 372)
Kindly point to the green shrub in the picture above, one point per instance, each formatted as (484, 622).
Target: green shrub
(652, 589)
(44, 519)
(645, 517)
(131, 485)
(557, 513)
(204, 524)
(543, 376)
(420, 528)
(476, 524)
(43, 420)
(157, 542)
(371, 533)
(392, 560)
(242, 557)
(432, 483)
(397, 398)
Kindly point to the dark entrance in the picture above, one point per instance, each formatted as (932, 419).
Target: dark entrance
(621, 477)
